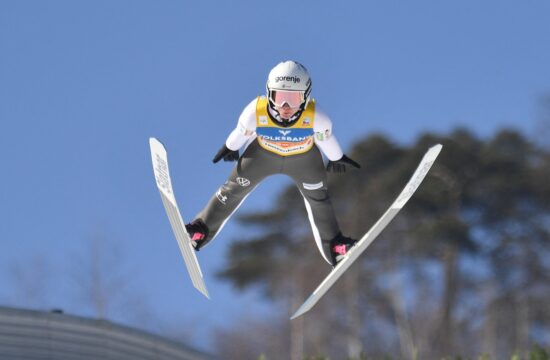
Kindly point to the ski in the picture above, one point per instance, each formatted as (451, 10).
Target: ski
(413, 184)
(164, 184)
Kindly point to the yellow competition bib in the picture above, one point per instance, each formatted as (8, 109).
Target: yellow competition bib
(285, 141)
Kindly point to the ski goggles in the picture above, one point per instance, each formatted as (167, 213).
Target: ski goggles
(294, 99)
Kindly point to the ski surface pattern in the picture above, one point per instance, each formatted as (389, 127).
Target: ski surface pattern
(164, 184)
(413, 184)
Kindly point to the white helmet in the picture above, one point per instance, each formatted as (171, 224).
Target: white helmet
(289, 76)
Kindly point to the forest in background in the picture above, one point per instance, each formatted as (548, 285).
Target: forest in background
(463, 270)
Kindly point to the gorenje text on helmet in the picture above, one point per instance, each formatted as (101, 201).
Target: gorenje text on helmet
(294, 79)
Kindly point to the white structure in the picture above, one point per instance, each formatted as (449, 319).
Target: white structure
(27, 334)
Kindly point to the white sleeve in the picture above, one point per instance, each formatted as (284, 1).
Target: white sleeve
(246, 127)
(324, 139)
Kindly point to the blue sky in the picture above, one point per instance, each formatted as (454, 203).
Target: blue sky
(84, 84)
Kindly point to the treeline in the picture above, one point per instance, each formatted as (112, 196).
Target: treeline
(463, 270)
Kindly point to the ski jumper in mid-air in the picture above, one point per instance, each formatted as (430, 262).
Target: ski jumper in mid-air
(281, 133)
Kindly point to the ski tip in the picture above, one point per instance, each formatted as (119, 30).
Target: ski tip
(433, 152)
(153, 141)
(156, 145)
(437, 147)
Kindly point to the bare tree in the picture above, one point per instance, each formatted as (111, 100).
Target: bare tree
(97, 273)
(104, 280)
(31, 282)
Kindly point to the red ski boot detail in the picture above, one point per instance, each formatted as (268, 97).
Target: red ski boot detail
(198, 231)
(198, 237)
(339, 247)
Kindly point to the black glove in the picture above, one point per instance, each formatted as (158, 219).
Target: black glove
(339, 166)
(227, 155)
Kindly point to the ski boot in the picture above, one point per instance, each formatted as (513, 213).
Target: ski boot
(198, 232)
(339, 247)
